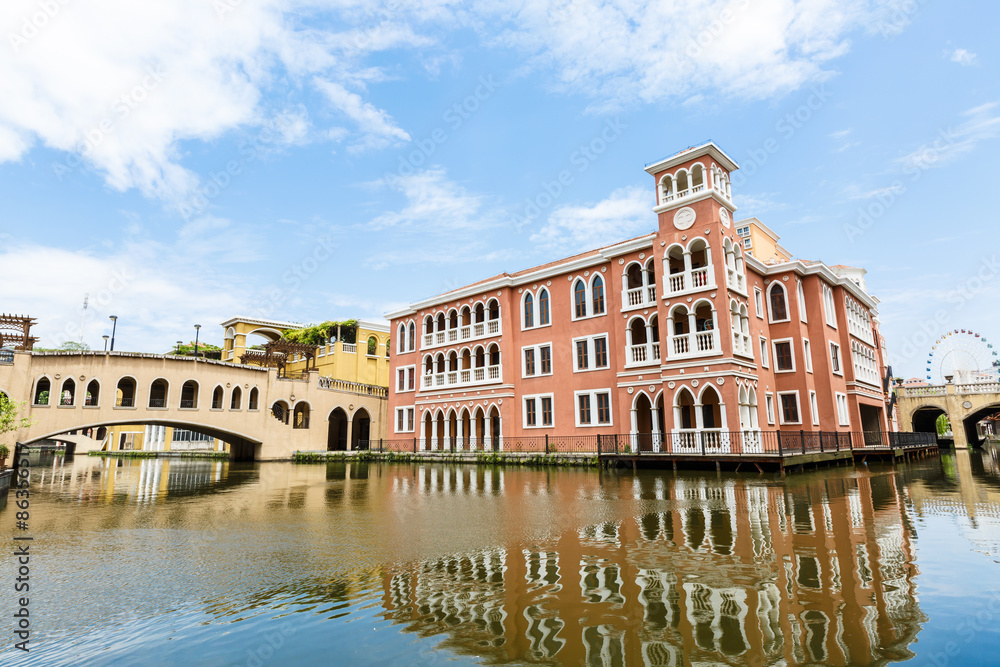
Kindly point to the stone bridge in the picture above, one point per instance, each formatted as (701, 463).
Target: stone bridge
(259, 415)
(965, 405)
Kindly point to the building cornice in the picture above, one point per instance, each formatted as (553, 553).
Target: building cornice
(816, 268)
(692, 153)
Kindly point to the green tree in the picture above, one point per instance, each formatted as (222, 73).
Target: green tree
(9, 421)
(943, 425)
(67, 346)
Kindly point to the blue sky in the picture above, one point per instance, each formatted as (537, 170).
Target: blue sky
(188, 161)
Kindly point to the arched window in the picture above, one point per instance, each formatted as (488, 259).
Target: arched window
(42, 390)
(189, 395)
(543, 307)
(412, 340)
(778, 303)
(68, 394)
(387, 349)
(580, 299)
(93, 397)
(401, 344)
(217, 396)
(300, 418)
(254, 397)
(494, 307)
(598, 296)
(529, 311)
(372, 346)
(236, 402)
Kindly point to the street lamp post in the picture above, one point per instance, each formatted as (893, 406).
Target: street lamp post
(197, 330)
(178, 350)
(114, 326)
(105, 337)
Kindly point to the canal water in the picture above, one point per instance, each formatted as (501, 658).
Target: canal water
(160, 562)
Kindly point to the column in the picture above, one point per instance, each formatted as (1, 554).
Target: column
(447, 432)
(699, 424)
(634, 430)
(657, 437)
(460, 427)
(434, 433)
(649, 342)
(486, 430)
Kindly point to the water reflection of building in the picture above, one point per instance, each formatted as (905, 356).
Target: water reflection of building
(732, 571)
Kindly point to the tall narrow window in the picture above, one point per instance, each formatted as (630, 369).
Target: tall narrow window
(580, 299)
(529, 361)
(600, 352)
(582, 357)
(603, 408)
(584, 404)
(530, 419)
(783, 356)
(546, 355)
(835, 357)
(547, 411)
(543, 307)
(529, 311)
(779, 309)
(413, 337)
(598, 296)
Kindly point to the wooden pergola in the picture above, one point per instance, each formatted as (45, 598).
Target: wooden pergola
(15, 332)
(277, 353)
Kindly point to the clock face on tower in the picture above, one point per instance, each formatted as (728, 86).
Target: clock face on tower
(684, 218)
(724, 216)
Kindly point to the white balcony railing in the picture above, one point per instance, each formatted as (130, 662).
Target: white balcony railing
(710, 440)
(741, 344)
(695, 280)
(462, 334)
(700, 343)
(350, 348)
(736, 281)
(462, 378)
(644, 353)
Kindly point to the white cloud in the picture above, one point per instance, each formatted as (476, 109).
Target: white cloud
(377, 128)
(627, 51)
(962, 57)
(980, 124)
(626, 213)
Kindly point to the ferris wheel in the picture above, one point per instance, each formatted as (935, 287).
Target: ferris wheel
(965, 355)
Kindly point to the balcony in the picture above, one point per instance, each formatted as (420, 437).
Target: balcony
(643, 353)
(469, 377)
(702, 343)
(741, 345)
(687, 282)
(736, 281)
(639, 297)
(462, 334)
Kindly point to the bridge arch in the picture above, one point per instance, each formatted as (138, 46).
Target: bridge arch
(973, 418)
(242, 445)
(924, 418)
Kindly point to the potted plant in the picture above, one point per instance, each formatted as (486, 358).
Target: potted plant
(4, 453)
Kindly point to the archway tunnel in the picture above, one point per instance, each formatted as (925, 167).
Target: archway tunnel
(971, 424)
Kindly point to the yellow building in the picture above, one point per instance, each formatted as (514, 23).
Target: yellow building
(148, 437)
(760, 241)
(350, 353)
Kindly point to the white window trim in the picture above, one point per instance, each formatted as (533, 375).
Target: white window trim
(590, 352)
(765, 356)
(781, 410)
(536, 310)
(807, 354)
(813, 408)
(843, 409)
(538, 360)
(800, 295)
(404, 411)
(758, 302)
(829, 307)
(770, 314)
(589, 297)
(412, 367)
(538, 410)
(593, 408)
(774, 354)
(769, 407)
(840, 359)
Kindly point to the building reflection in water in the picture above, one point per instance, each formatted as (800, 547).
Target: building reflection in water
(734, 571)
